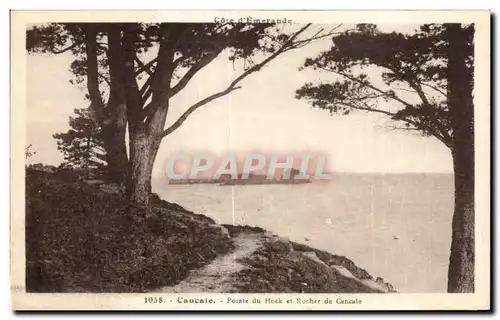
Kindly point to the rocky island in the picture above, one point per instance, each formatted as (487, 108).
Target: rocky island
(290, 176)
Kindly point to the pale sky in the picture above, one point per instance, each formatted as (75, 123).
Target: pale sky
(263, 115)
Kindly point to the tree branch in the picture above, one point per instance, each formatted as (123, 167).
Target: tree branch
(178, 61)
(435, 88)
(193, 108)
(371, 87)
(145, 67)
(317, 36)
(402, 89)
(418, 89)
(354, 106)
(155, 112)
(233, 85)
(102, 48)
(435, 119)
(103, 78)
(96, 101)
(145, 91)
(203, 62)
(439, 130)
(258, 66)
(192, 72)
(74, 45)
(394, 116)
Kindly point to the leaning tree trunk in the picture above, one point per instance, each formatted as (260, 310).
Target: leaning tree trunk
(143, 150)
(460, 84)
(144, 123)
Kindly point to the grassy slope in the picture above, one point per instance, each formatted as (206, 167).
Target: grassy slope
(79, 239)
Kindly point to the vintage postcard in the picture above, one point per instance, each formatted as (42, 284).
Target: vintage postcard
(250, 160)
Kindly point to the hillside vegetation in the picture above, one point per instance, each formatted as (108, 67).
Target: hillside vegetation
(80, 238)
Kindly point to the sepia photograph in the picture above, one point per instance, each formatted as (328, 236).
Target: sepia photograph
(250, 160)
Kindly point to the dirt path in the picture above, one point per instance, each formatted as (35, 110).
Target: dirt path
(215, 276)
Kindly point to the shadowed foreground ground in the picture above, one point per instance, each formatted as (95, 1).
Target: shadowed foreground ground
(82, 239)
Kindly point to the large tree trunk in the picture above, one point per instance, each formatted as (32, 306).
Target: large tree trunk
(461, 269)
(116, 153)
(113, 116)
(460, 83)
(143, 150)
(115, 122)
(113, 135)
(144, 127)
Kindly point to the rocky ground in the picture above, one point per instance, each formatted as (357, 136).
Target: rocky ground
(265, 263)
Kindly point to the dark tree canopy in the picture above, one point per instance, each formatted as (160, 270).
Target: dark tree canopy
(409, 65)
(194, 45)
(100, 51)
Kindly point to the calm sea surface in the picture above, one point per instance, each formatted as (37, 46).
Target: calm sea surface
(358, 216)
